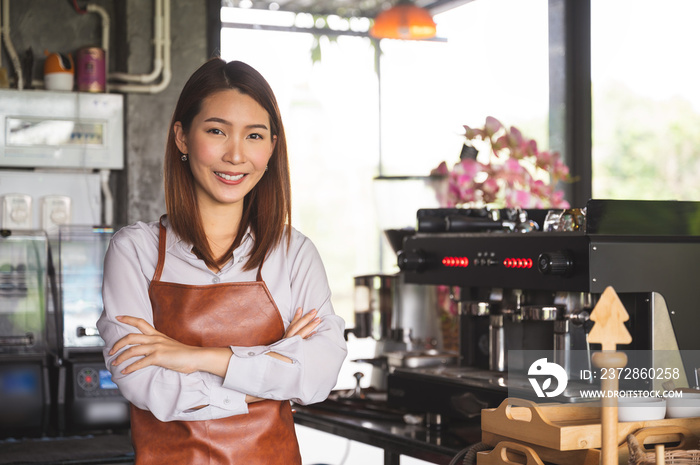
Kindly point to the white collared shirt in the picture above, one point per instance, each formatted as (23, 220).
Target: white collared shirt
(295, 277)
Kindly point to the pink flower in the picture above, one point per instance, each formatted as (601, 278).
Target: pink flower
(500, 143)
(519, 198)
(540, 189)
(468, 195)
(512, 167)
(546, 159)
(530, 148)
(513, 173)
(441, 170)
(492, 126)
(490, 187)
(468, 167)
(471, 133)
(515, 138)
(557, 200)
(561, 171)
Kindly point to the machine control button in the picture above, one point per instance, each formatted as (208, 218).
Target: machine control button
(414, 260)
(88, 379)
(559, 263)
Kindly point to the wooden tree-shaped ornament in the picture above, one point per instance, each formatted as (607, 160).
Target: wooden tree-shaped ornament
(609, 316)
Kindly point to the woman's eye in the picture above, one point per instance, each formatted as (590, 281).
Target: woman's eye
(215, 131)
(256, 136)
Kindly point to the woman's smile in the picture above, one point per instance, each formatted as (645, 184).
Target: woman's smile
(231, 178)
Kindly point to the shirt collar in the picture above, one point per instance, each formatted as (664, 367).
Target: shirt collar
(174, 242)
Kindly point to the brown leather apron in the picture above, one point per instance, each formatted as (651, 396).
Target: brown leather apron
(217, 315)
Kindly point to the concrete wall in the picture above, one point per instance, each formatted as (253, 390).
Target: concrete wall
(54, 25)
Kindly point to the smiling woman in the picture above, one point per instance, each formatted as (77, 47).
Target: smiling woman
(214, 315)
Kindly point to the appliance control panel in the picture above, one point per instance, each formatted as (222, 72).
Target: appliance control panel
(93, 381)
(525, 261)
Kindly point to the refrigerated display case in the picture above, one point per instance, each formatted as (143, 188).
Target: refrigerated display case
(25, 398)
(88, 399)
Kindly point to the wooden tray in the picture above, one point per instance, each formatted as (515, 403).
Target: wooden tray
(664, 434)
(559, 457)
(562, 427)
(508, 453)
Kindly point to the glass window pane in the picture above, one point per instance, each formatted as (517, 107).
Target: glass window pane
(646, 99)
(430, 89)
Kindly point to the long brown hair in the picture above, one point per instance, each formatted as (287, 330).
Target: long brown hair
(267, 207)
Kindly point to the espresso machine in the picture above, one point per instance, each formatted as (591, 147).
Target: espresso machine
(526, 288)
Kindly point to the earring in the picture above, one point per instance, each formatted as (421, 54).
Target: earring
(266, 167)
(183, 157)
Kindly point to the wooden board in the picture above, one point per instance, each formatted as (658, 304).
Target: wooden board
(563, 427)
(667, 434)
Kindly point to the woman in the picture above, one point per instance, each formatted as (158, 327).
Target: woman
(203, 323)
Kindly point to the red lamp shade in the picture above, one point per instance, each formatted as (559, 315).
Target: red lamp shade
(403, 21)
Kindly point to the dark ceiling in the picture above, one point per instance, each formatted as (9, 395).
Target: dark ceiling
(344, 8)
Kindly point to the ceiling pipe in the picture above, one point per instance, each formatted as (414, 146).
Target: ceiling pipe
(92, 8)
(8, 43)
(158, 41)
(166, 74)
(104, 16)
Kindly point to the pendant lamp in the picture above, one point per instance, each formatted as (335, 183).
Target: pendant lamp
(403, 21)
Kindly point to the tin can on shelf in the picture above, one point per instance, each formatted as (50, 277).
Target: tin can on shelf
(91, 69)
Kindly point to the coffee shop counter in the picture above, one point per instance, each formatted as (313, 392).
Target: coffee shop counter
(103, 449)
(390, 431)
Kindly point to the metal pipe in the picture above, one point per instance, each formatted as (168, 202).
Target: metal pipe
(158, 41)
(8, 43)
(92, 8)
(166, 74)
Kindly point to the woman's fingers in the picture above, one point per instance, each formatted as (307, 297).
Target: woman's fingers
(147, 332)
(309, 328)
(138, 323)
(299, 324)
(137, 349)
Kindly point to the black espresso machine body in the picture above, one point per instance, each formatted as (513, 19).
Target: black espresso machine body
(88, 399)
(534, 291)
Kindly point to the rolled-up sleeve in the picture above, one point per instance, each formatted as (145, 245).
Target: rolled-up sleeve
(167, 394)
(316, 360)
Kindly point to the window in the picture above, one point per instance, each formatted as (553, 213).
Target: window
(646, 102)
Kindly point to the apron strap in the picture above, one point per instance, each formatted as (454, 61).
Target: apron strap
(161, 250)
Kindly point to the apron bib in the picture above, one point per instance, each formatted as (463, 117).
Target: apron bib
(217, 315)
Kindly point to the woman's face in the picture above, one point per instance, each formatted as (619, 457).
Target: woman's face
(228, 145)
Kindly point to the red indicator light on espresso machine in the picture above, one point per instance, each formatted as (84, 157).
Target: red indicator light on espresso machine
(459, 262)
(518, 263)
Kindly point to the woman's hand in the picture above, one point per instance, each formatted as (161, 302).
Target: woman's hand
(302, 325)
(160, 350)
